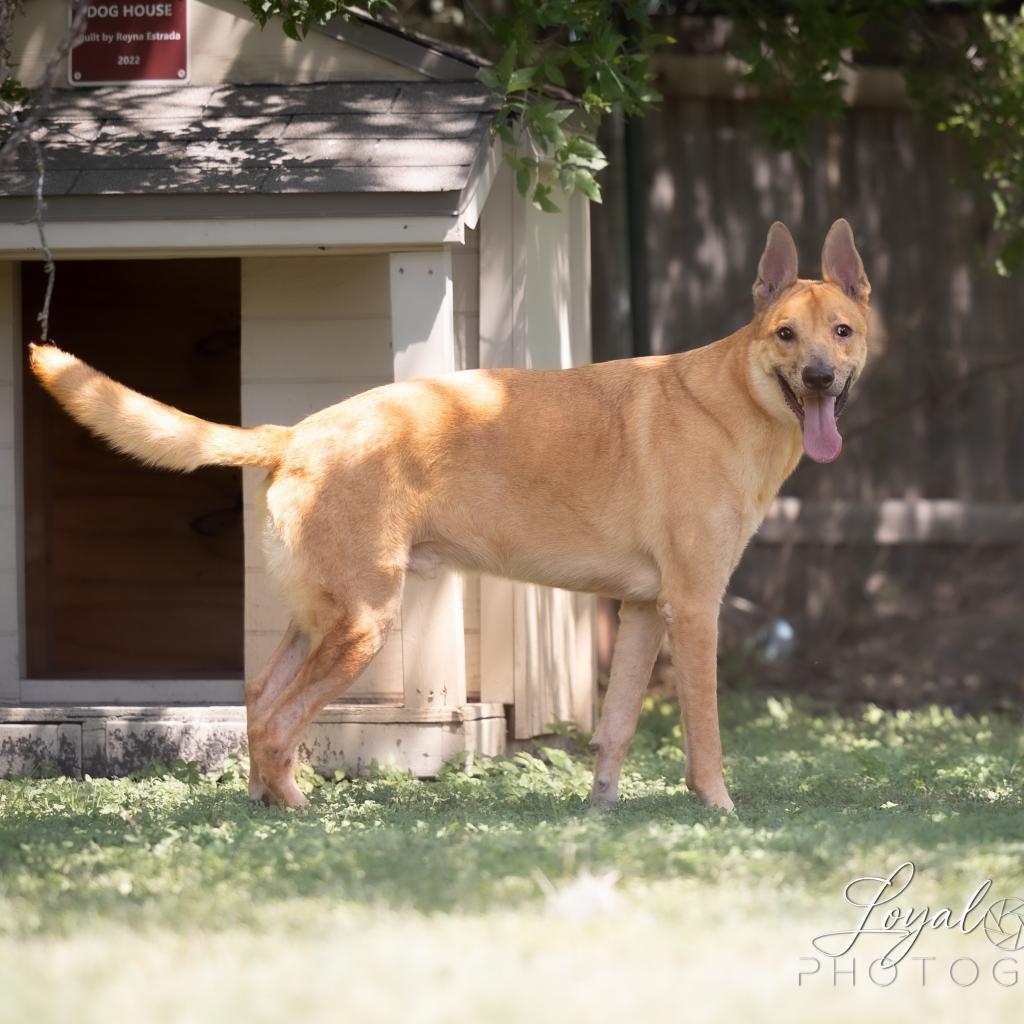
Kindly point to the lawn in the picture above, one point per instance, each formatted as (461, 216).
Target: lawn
(495, 894)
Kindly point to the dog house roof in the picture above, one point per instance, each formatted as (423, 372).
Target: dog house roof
(418, 138)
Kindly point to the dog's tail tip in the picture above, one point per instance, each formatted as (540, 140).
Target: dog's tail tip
(47, 360)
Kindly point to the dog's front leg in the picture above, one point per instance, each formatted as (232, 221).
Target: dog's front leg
(693, 636)
(641, 630)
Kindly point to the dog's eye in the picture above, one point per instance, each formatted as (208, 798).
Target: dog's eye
(785, 334)
(844, 330)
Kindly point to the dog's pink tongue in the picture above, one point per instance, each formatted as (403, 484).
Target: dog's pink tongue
(821, 436)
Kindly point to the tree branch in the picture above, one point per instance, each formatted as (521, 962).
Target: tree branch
(22, 126)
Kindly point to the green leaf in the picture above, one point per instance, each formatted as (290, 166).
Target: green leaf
(522, 78)
(524, 175)
(579, 58)
(588, 186)
(583, 153)
(542, 199)
(489, 77)
(505, 133)
(553, 73)
(12, 91)
(503, 69)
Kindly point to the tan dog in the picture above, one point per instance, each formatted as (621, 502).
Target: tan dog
(643, 479)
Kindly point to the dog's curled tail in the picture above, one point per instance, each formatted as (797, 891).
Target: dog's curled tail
(146, 429)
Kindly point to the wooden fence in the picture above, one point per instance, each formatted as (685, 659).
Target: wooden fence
(940, 413)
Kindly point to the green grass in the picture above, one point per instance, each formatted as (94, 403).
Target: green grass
(171, 898)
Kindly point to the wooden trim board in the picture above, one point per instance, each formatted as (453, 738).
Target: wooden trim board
(423, 345)
(114, 741)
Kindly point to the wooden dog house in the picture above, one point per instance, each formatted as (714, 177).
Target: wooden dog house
(294, 224)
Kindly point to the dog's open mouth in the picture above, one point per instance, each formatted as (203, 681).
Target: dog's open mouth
(817, 414)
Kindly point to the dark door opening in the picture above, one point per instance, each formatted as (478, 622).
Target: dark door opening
(133, 572)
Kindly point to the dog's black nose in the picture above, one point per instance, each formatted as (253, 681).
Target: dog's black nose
(818, 377)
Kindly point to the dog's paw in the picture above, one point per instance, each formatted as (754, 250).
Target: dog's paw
(712, 793)
(604, 794)
(719, 799)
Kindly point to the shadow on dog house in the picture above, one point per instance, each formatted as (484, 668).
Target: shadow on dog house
(298, 223)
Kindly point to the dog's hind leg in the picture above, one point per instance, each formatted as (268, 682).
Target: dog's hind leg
(278, 672)
(334, 662)
(641, 630)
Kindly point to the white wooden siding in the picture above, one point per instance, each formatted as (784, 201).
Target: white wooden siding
(10, 366)
(227, 46)
(466, 278)
(315, 330)
(423, 345)
(466, 298)
(535, 279)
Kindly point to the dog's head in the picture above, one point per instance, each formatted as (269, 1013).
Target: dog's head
(810, 337)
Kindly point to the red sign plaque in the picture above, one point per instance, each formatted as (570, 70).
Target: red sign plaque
(132, 41)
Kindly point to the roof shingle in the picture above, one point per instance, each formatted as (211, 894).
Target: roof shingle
(345, 137)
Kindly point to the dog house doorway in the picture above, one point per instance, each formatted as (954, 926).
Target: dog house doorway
(132, 573)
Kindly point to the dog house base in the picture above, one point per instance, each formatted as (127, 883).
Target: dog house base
(112, 741)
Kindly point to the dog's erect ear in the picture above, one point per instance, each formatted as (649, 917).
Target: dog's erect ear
(777, 269)
(841, 263)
